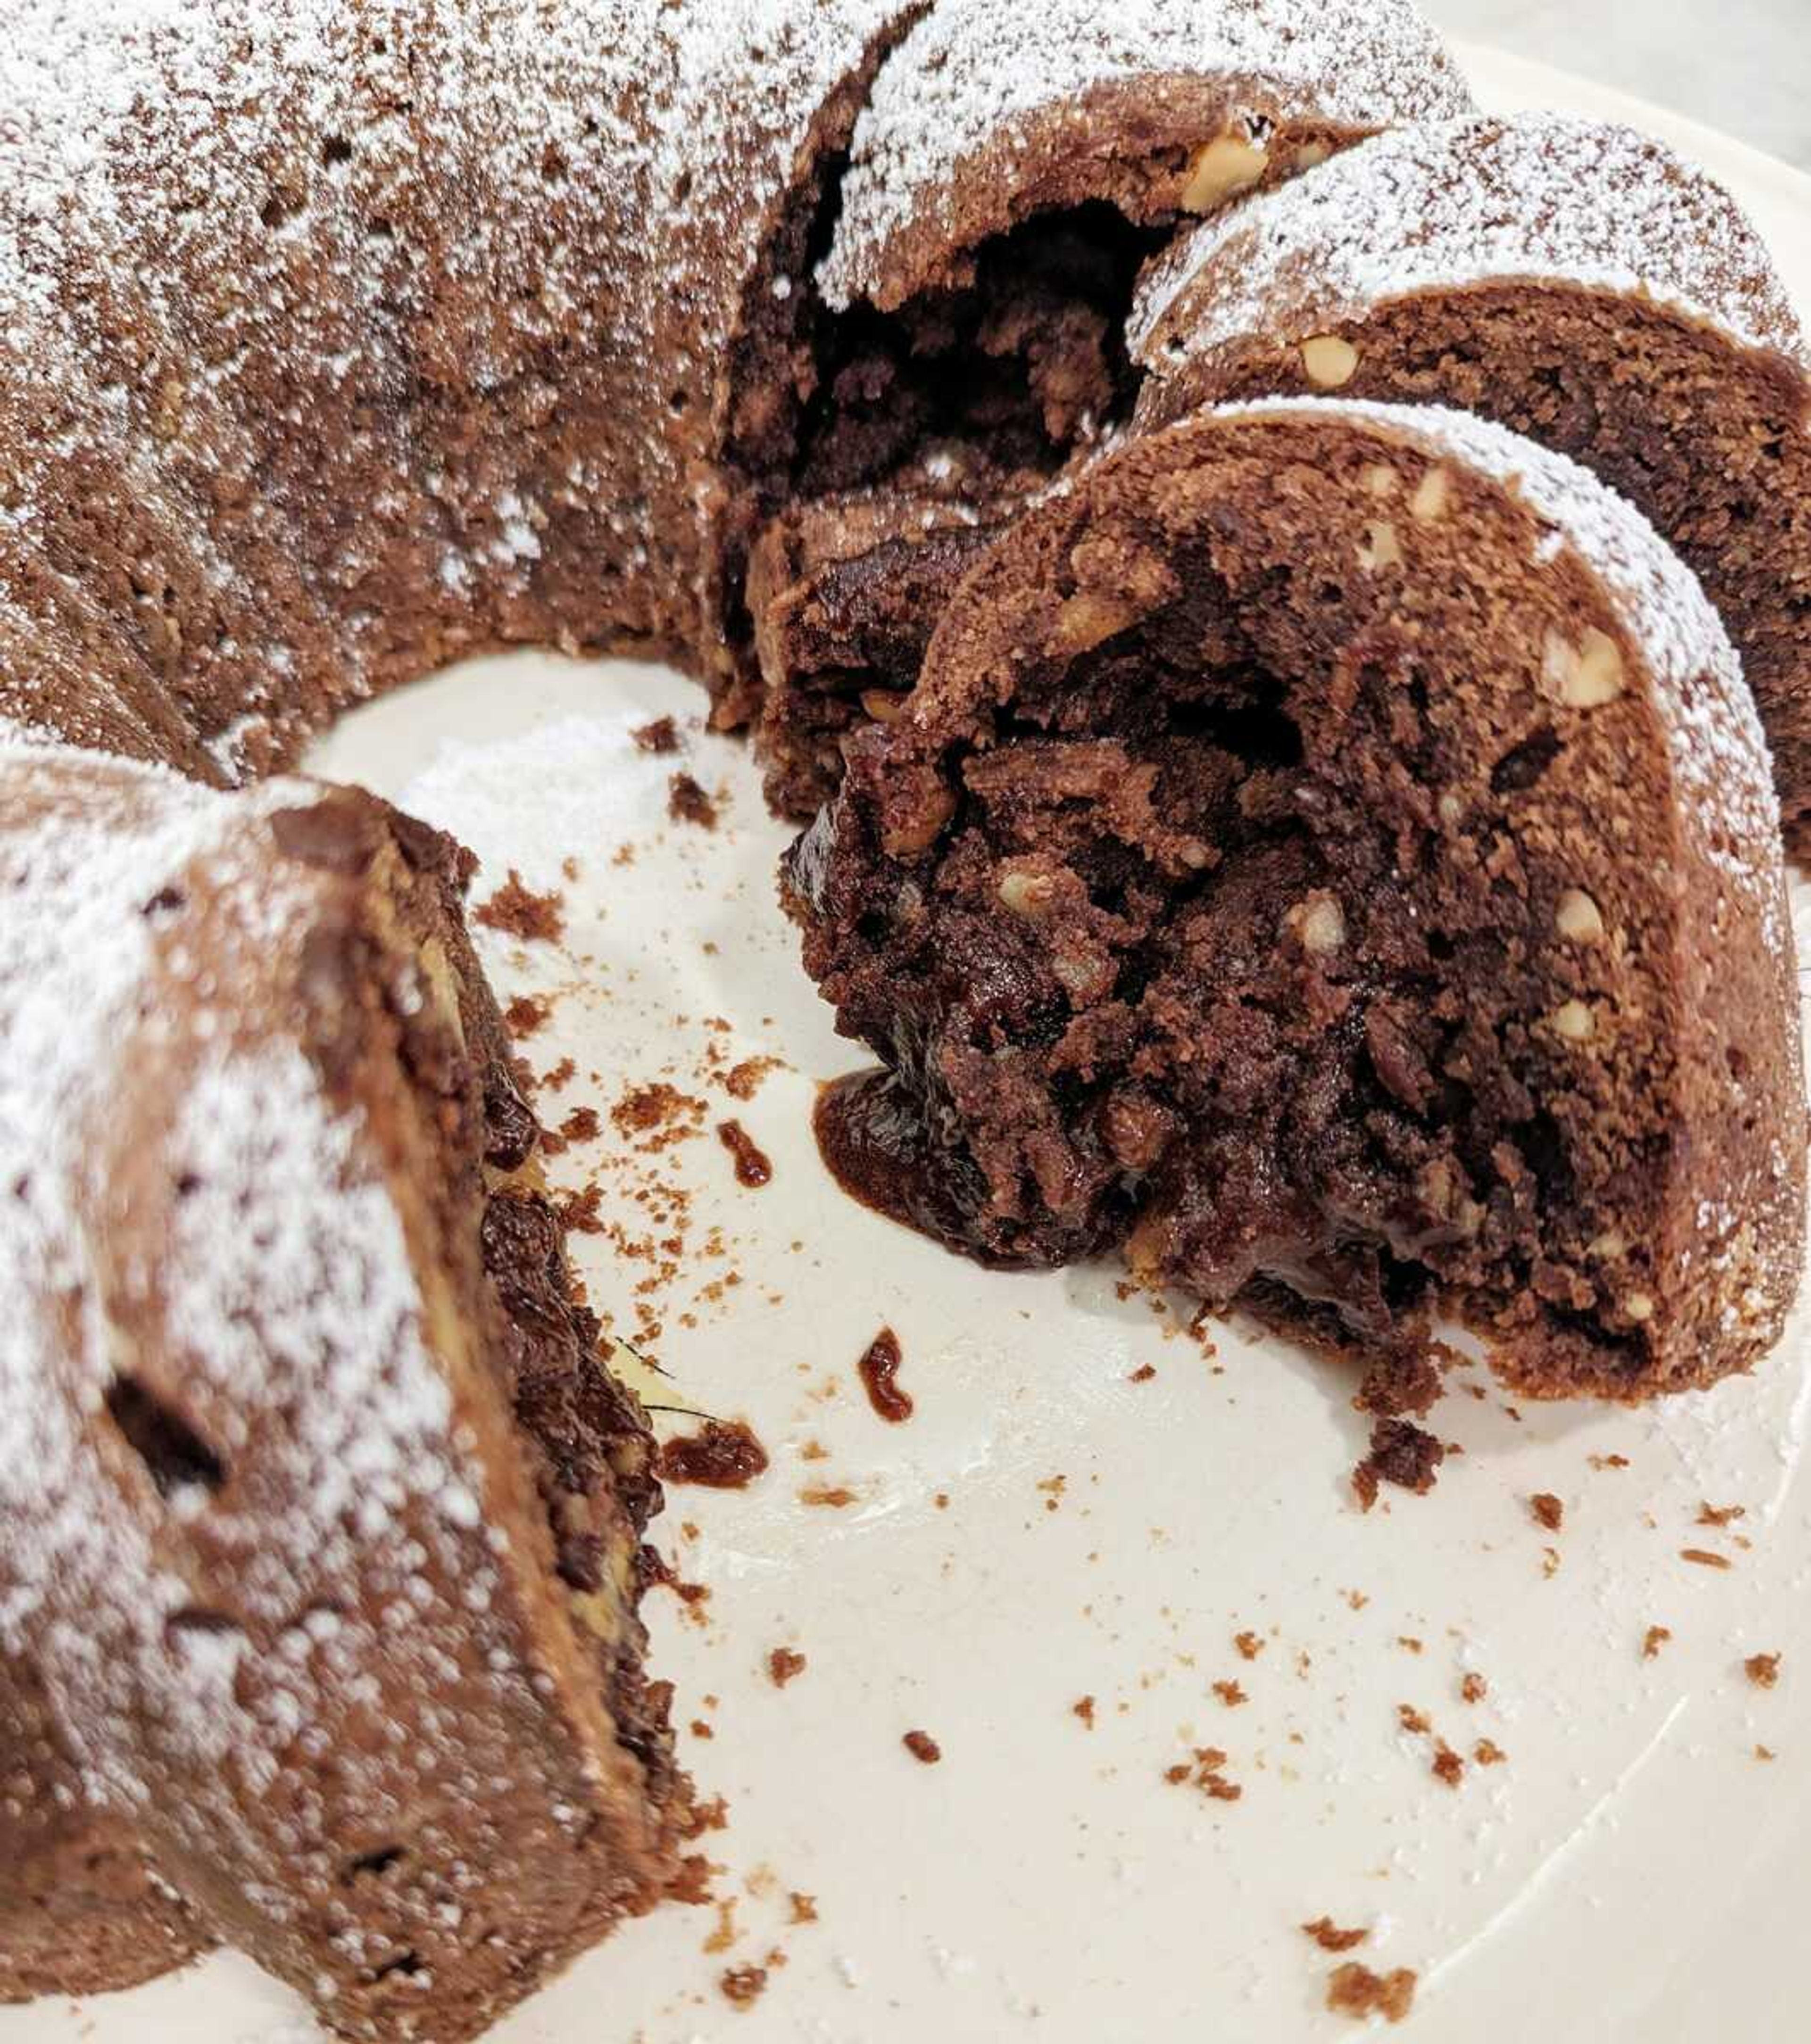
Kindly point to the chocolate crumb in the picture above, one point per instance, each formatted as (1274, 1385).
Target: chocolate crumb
(517, 913)
(1704, 1559)
(723, 1455)
(1249, 1645)
(922, 1746)
(661, 736)
(582, 1125)
(1205, 1773)
(1230, 1694)
(711, 1816)
(1401, 1454)
(1488, 1753)
(743, 1081)
(1448, 1766)
(1473, 1688)
(527, 1013)
(744, 1985)
(1548, 1510)
(1720, 1514)
(1609, 1461)
(1143, 1374)
(1762, 1670)
(783, 1664)
(1083, 1708)
(688, 803)
(1414, 1720)
(1655, 1637)
(701, 1730)
(577, 1212)
(1330, 1938)
(1355, 1990)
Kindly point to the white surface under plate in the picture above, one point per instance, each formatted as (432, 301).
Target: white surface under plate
(1055, 1523)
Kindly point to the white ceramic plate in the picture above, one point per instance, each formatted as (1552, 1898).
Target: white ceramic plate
(1051, 1525)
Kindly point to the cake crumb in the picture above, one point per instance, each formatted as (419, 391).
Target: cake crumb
(527, 1013)
(1609, 1461)
(688, 802)
(1083, 1708)
(1356, 1991)
(1704, 1558)
(1330, 1938)
(1204, 1772)
(1473, 1688)
(1143, 1374)
(744, 1985)
(702, 1730)
(662, 736)
(1448, 1767)
(1548, 1510)
(1765, 1752)
(1719, 1514)
(1762, 1670)
(1408, 1642)
(1230, 1694)
(518, 913)
(1655, 1637)
(922, 1747)
(783, 1665)
(1249, 1645)
(1488, 1753)
(582, 1125)
(804, 1906)
(1401, 1454)
(830, 1497)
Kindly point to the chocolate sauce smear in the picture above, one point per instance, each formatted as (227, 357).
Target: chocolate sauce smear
(752, 1166)
(880, 1369)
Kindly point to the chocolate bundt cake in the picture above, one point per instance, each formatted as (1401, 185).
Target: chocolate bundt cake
(1330, 851)
(1576, 281)
(319, 1510)
(344, 337)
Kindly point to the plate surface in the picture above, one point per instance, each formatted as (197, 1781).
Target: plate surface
(1088, 1504)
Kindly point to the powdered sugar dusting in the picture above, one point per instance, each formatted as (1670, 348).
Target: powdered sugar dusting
(972, 72)
(1541, 197)
(286, 1291)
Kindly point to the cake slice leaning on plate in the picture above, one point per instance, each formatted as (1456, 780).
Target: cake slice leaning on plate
(319, 1510)
(1330, 855)
(1576, 281)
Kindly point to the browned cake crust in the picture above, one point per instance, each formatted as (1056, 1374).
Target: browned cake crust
(1574, 280)
(82, 1910)
(1236, 887)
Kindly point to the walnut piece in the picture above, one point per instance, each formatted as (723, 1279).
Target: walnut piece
(1578, 918)
(1229, 164)
(1330, 361)
(1585, 676)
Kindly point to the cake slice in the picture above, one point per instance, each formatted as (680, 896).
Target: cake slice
(320, 1510)
(1015, 168)
(1572, 279)
(1330, 856)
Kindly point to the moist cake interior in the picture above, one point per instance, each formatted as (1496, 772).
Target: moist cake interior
(1217, 940)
